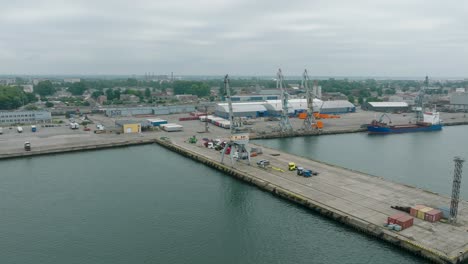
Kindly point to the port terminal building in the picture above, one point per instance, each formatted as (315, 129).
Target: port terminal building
(157, 110)
(24, 117)
(387, 107)
(274, 108)
(459, 101)
(128, 126)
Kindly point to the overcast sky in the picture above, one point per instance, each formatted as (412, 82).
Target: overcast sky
(240, 37)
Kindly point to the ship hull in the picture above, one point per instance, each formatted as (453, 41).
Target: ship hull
(402, 129)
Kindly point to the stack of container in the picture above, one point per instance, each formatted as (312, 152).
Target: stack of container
(393, 218)
(400, 221)
(414, 210)
(157, 121)
(224, 124)
(197, 114)
(422, 212)
(204, 118)
(405, 222)
(433, 216)
(445, 211)
(426, 213)
(172, 127)
(188, 118)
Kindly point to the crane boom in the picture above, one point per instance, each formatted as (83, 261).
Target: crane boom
(285, 124)
(310, 119)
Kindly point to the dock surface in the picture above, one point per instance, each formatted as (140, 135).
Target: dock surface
(354, 198)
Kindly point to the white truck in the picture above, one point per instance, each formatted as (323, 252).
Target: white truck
(74, 125)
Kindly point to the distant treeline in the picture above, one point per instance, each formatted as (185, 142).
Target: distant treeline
(12, 97)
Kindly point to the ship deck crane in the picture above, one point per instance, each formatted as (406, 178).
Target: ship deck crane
(285, 124)
(237, 141)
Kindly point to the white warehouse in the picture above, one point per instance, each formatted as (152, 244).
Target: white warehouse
(274, 108)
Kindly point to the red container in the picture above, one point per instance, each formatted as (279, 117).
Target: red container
(433, 215)
(414, 210)
(197, 114)
(393, 218)
(404, 221)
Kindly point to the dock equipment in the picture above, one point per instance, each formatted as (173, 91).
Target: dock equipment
(237, 140)
(292, 166)
(285, 124)
(300, 170)
(27, 146)
(193, 140)
(309, 121)
(263, 163)
(455, 188)
(277, 169)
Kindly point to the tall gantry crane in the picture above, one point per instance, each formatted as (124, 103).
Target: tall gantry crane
(285, 124)
(309, 122)
(237, 142)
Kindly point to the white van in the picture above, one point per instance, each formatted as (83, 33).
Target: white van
(19, 129)
(1, 130)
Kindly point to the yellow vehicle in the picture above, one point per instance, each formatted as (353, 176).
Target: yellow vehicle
(292, 166)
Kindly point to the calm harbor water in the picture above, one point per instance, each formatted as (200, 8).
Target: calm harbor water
(146, 204)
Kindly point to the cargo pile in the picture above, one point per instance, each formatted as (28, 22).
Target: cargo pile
(197, 114)
(399, 221)
(172, 127)
(156, 122)
(217, 121)
(426, 213)
(188, 118)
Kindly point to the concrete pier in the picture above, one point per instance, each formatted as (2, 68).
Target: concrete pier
(356, 199)
(84, 146)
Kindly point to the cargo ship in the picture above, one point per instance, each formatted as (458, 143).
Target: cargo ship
(425, 121)
(431, 122)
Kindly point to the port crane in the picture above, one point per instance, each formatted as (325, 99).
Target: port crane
(285, 124)
(309, 122)
(237, 142)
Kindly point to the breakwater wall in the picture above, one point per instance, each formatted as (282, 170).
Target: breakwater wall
(75, 148)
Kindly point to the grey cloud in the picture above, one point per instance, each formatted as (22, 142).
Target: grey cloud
(388, 37)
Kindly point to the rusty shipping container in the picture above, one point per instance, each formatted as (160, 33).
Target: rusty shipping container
(405, 221)
(433, 216)
(422, 212)
(414, 210)
(393, 218)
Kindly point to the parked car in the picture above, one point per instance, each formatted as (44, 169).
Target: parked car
(263, 163)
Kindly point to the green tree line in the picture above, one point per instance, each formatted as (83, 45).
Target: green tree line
(14, 97)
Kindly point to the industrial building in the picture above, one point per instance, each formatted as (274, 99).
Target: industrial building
(296, 106)
(158, 110)
(386, 106)
(459, 101)
(129, 126)
(337, 107)
(251, 110)
(24, 117)
(254, 98)
(274, 108)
